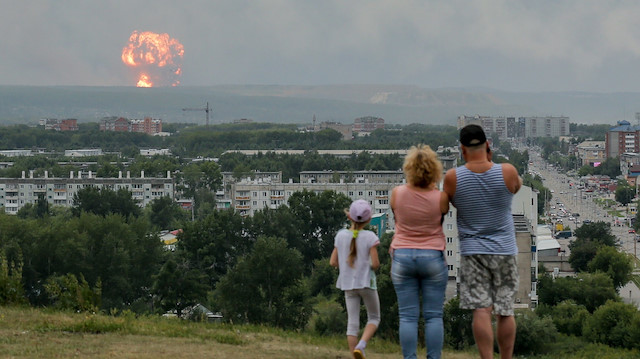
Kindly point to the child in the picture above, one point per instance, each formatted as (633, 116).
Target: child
(355, 253)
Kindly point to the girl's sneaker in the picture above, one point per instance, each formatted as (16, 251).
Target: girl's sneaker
(359, 354)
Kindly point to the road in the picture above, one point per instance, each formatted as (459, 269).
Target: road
(579, 201)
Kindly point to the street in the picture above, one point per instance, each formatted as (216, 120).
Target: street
(571, 206)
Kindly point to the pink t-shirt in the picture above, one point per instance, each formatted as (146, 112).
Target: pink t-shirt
(417, 215)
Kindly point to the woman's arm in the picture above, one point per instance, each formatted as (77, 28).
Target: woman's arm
(444, 202)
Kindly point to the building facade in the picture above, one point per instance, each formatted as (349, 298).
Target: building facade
(147, 125)
(70, 124)
(591, 153)
(521, 127)
(367, 124)
(15, 193)
(623, 138)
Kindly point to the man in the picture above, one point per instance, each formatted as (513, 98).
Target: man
(482, 192)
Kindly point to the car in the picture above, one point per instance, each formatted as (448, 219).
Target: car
(632, 231)
(586, 221)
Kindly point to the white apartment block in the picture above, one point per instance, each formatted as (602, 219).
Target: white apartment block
(545, 126)
(521, 127)
(83, 152)
(15, 193)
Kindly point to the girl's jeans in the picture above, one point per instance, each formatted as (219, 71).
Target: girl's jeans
(415, 271)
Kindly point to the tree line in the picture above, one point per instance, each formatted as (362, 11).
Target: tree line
(191, 141)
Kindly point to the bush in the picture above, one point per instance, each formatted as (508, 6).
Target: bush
(329, 318)
(67, 293)
(458, 333)
(569, 317)
(533, 333)
(11, 290)
(614, 324)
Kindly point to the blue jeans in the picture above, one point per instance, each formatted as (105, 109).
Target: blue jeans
(414, 271)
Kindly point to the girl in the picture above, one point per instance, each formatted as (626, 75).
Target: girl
(355, 253)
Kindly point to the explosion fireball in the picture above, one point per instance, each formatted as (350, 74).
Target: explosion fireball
(155, 57)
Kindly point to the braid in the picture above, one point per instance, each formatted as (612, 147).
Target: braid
(352, 249)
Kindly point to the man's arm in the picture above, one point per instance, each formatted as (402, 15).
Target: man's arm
(511, 178)
(449, 185)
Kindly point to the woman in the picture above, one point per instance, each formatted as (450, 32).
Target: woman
(417, 250)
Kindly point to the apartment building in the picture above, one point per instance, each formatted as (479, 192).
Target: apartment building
(521, 127)
(591, 152)
(70, 124)
(623, 138)
(147, 125)
(367, 124)
(15, 193)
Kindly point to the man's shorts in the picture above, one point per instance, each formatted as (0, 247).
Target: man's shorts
(488, 280)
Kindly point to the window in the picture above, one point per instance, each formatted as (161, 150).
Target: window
(449, 226)
(449, 239)
(449, 253)
(450, 267)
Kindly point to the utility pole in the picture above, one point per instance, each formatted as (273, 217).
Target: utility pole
(206, 109)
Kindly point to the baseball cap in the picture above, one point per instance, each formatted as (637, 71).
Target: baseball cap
(360, 211)
(472, 135)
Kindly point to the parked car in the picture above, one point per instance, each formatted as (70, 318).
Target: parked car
(564, 234)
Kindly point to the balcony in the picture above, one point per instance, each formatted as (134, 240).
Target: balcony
(242, 198)
(243, 207)
(277, 197)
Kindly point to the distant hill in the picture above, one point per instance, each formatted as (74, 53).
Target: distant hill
(298, 104)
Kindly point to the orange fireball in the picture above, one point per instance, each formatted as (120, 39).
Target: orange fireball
(156, 57)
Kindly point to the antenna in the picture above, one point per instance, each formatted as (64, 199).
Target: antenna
(205, 109)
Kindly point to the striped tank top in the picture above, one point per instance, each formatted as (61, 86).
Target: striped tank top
(483, 204)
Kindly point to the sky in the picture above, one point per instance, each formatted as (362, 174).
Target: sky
(512, 45)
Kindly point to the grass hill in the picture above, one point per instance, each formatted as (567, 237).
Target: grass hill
(43, 333)
(33, 333)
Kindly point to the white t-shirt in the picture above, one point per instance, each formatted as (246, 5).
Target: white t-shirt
(360, 275)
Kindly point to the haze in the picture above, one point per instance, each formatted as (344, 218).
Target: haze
(507, 45)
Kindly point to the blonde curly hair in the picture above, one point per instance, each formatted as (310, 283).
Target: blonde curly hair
(422, 166)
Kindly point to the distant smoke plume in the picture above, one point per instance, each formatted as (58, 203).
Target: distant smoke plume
(157, 58)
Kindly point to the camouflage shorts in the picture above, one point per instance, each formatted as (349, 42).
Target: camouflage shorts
(488, 280)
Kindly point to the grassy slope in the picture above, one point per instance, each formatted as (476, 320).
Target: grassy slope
(33, 333)
(37, 333)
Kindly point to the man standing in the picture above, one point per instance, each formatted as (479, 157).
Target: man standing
(482, 192)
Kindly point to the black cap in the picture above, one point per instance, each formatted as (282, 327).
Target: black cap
(472, 135)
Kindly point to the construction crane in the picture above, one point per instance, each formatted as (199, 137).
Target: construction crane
(205, 109)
